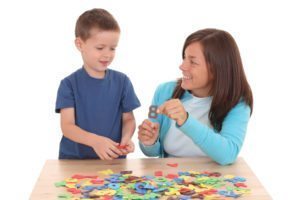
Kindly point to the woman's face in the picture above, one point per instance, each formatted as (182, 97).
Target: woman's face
(196, 76)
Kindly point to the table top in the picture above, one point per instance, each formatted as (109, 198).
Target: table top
(58, 170)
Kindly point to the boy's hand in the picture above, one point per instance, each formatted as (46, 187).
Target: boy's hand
(126, 147)
(174, 110)
(106, 149)
(148, 132)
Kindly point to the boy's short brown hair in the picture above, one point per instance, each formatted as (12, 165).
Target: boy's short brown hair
(95, 18)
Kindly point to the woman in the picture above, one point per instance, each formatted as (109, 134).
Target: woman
(206, 112)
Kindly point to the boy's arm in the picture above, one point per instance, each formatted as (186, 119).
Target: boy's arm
(73, 132)
(104, 147)
(128, 128)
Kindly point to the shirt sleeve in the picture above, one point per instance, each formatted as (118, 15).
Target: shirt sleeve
(129, 99)
(225, 146)
(151, 150)
(65, 96)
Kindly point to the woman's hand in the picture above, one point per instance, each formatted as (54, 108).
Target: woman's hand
(148, 132)
(174, 110)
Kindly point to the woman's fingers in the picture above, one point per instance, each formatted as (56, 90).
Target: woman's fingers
(147, 128)
(147, 124)
(146, 135)
(169, 106)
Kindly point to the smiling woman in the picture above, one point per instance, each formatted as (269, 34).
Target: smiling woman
(207, 111)
(196, 75)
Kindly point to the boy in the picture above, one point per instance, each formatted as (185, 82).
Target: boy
(96, 103)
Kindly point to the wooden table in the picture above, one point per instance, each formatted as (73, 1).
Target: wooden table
(58, 170)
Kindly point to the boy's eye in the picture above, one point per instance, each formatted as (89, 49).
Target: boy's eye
(113, 49)
(99, 48)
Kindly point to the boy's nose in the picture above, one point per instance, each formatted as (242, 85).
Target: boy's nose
(107, 54)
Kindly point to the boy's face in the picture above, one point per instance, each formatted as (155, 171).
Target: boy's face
(98, 51)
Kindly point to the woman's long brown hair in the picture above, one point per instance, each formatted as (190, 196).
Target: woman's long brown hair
(229, 84)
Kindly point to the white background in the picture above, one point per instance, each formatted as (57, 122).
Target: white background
(37, 51)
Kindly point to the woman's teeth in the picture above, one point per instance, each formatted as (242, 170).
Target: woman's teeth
(186, 77)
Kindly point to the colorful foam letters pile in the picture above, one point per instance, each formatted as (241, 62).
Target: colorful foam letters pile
(183, 185)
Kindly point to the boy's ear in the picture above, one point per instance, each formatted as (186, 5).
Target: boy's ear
(78, 43)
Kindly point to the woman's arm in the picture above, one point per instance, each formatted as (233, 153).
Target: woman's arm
(154, 150)
(225, 146)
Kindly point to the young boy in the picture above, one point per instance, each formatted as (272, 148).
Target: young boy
(96, 103)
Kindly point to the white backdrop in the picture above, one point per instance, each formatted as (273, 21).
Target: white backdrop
(37, 51)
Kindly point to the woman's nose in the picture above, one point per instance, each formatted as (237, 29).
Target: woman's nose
(182, 67)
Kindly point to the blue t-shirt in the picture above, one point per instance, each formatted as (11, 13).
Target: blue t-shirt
(98, 105)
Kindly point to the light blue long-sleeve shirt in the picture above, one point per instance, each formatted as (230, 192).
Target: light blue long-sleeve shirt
(222, 147)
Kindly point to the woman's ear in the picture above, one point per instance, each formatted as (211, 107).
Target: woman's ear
(78, 43)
